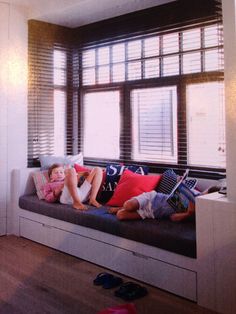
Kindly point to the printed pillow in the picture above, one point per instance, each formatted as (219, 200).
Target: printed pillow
(132, 184)
(40, 179)
(47, 160)
(168, 182)
(190, 183)
(112, 177)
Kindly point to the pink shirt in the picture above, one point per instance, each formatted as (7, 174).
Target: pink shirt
(49, 189)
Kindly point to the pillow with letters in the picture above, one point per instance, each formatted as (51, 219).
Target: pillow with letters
(112, 177)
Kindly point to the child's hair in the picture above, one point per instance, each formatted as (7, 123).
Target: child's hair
(50, 169)
(213, 189)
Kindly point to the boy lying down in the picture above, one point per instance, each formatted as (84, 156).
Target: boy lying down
(154, 205)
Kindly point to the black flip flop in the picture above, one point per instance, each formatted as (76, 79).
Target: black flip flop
(130, 291)
(102, 278)
(112, 282)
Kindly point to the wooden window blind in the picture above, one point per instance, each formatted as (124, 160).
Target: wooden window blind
(52, 93)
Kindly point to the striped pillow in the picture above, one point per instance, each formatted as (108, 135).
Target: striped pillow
(40, 179)
(168, 182)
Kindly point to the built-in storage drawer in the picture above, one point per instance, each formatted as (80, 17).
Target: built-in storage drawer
(158, 273)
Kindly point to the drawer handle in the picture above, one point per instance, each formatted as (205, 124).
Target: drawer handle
(140, 255)
(46, 226)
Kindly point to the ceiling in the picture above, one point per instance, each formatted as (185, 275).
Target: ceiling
(74, 13)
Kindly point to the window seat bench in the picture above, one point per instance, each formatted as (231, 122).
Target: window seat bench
(162, 253)
(178, 237)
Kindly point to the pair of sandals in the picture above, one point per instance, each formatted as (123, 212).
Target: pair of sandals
(127, 291)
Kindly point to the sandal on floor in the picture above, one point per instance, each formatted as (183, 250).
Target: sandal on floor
(102, 278)
(112, 282)
(130, 291)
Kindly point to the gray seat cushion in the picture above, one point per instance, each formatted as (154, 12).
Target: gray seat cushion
(177, 237)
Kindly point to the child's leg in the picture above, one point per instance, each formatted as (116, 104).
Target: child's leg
(129, 210)
(71, 181)
(130, 205)
(114, 210)
(95, 179)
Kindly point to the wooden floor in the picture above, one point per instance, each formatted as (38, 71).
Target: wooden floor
(37, 279)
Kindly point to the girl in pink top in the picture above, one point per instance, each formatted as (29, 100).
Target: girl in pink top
(63, 187)
(52, 190)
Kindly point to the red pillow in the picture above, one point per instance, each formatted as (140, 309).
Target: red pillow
(79, 168)
(132, 184)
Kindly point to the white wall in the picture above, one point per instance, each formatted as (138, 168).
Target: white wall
(215, 213)
(4, 16)
(13, 101)
(229, 21)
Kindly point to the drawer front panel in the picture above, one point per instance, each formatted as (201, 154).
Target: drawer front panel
(155, 272)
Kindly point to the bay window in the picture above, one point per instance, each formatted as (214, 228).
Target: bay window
(122, 90)
(170, 89)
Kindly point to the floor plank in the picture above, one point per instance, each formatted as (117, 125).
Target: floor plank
(37, 279)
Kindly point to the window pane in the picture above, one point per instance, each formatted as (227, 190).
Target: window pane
(134, 70)
(103, 55)
(59, 77)
(104, 74)
(211, 36)
(88, 58)
(59, 71)
(191, 62)
(171, 65)
(89, 76)
(151, 68)
(192, 39)
(206, 124)
(118, 53)
(151, 47)
(59, 122)
(154, 123)
(134, 49)
(102, 124)
(118, 74)
(59, 59)
(213, 60)
(171, 43)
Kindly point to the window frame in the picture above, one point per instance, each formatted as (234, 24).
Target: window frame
(125, 87)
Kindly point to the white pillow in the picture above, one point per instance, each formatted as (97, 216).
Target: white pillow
(47, 160)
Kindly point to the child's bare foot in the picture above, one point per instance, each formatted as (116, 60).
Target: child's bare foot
(80, 206)
(94, 203)
(113, 210)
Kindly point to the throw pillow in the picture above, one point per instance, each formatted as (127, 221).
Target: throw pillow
(112, 177)
(47, 160)
(191, 183)
(79, 168)
(132, 184)
(168, 182)
(40, 179)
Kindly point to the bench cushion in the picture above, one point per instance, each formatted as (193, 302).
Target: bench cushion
(177, 237)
